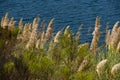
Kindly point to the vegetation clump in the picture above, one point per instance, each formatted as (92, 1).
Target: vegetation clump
(31, 53)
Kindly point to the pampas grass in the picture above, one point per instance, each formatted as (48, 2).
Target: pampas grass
(66, 32)
(83, 65)
(107, 38)
(115, 27)
(115, 69)
(39, 54)
(11, 24)
(33, 36)
(100, 66)
(20, 24)
(49, 29)
(96, 36)
(77, 36)
(112, 37)
(4, 22)
(57, 36)
(38, 43)
(42, 40)
(26, 33)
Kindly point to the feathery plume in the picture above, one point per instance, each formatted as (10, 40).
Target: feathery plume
(33, 36)
(56, 38)
(30, 27)
(38, 43)
(5, 21)
(20, 24)
(78, 32)
(49, 30)
(26, 32)
(96, 35)
(35, 23)
(100, 66)
(11, 24)
(107, 38)
(43, 37)
(66, 32)
(42, 40)
(83, 64)
(115, 38)
(115, 27)
(42, 26)
(115, 69)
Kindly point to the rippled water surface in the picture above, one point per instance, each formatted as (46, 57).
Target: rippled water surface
(65, 12)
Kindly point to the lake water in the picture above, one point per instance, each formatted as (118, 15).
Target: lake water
(65, 12)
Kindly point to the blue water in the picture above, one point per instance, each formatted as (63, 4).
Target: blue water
(65, 12)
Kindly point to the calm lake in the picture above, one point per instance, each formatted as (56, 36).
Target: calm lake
(65, 12)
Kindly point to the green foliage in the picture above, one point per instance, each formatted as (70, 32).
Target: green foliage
(83, 50)
(14, 32)
(41, 67)
(2, 43)
(83, 76)
(65, 70)
(56, 61)
(8, 67)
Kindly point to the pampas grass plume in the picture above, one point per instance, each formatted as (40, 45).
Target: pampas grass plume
(35, 23)
(100, 66)
(115, 38)
(26, 32)
(11, 24)
(49, 29)
(82, 65)
(38, 43)
(42, 40)
(33, 36)
(20, 24)
(5, 21)
(107, 38)
(66, 32)
(56, 38)
(96, 35)
(115, 27)
(115, 69)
